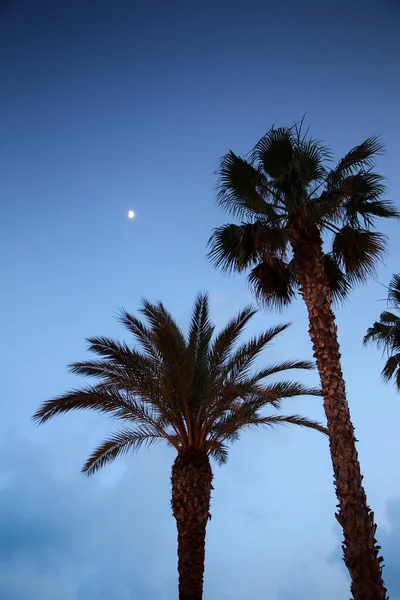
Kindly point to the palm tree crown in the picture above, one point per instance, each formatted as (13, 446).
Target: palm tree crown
(386, 333)
(195, 392)
(285, 185)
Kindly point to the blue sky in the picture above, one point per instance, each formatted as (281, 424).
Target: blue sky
(110, 107)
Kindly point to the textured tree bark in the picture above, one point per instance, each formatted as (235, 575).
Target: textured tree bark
(191, 493)
(360, 549)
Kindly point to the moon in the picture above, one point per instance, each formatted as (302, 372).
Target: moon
(131, 214)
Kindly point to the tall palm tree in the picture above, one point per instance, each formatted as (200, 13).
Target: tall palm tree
(292, 204)
(195, 392)
(386, 333)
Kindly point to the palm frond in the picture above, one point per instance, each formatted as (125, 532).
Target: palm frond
(379, 333)
(364, 203)
(122, 367)
(339, 283)
(394, 291)
(142, 334)
(97, 368)
(223, 344)
(163, 326)
(360, 157)
(364, 185)
(232, 248)
(357, 251)
(170, 343)
(392, 366)
(238, 365)
(200, 328)
(197, 365)
(286, 365)
(385, 333)
(274, 152)
(119, 444)
(219, 452)
(389, 318)
(273, 394)
(325, 208)
(112, 350)
(241, 404)
(274, 420)
(140, 376)
(230, 395)
(239, 188)
(132, 367)
(311, 157)
(98, 398)
(356, 201)
(273, 282)
(288, 389)
(228, 428)
(237, 247)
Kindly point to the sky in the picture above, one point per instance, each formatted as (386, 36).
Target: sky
(107, 107)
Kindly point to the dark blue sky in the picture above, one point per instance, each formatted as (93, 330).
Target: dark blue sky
(106, 107)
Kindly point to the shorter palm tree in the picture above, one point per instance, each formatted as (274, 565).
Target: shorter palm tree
(386, 333)
(195, 392)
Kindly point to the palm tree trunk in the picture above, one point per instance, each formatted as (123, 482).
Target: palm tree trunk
(191, 493)
(360, 549)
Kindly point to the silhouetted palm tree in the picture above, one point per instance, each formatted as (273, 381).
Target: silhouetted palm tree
(386, 333)
(291, 203)
(195, 392)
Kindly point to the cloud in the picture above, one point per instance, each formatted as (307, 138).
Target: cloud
(298, 587)
(72, 538)
(113, 536)
(389, 538)
(313, 579)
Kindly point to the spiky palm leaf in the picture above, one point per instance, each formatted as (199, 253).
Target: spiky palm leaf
(288, 177)
(196, 391)
(385, 333)
(394, 291)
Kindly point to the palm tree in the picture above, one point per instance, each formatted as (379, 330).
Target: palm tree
(386, 333)
(291, 204)
(195, 392)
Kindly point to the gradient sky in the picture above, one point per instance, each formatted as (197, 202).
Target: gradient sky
(106, 107)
